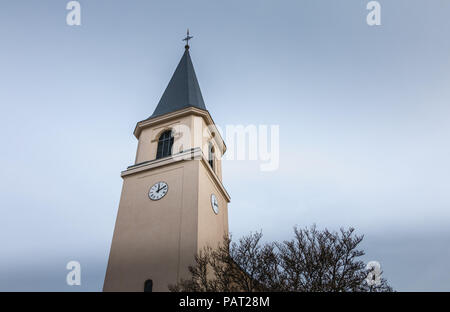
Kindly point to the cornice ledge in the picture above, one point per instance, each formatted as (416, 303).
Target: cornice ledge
(177, 114)
(192, 154)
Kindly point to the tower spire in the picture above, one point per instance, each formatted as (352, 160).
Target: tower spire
(183, 89)
(187, 38)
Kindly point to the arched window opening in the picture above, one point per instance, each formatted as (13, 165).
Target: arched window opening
(148, 285)
(211, 155)
(165, 143)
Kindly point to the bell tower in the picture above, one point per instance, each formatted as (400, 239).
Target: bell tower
(173, 202)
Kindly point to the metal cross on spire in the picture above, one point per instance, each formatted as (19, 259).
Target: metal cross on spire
(187, 38)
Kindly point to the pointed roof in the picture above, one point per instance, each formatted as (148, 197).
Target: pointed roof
(183, 89)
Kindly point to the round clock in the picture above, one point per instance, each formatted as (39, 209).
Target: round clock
(158, 190)
(214, 204)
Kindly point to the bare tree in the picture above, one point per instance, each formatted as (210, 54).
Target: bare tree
(312, 261)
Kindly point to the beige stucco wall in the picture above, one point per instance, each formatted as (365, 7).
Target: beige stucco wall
(154, 239)
(157, 240)
(211, 227)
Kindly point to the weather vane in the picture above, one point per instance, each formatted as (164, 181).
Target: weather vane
(187, 39)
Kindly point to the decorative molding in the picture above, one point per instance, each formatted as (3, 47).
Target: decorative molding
(178, 114)
(192, 154)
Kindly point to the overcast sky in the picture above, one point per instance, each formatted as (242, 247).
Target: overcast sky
(364, 117)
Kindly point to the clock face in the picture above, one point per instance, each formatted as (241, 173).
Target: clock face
(158, 190)
(214, 204)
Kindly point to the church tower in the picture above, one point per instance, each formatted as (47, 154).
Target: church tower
(173, 202)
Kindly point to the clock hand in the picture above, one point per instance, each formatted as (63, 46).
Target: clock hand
(160, 189)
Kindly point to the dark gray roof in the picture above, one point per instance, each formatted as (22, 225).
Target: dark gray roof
(182, 91)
